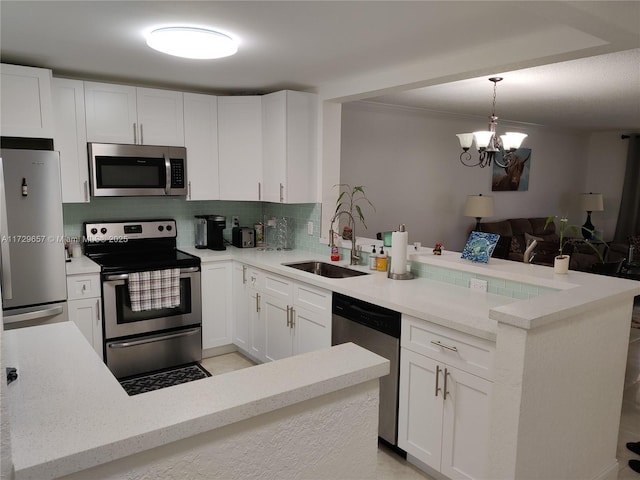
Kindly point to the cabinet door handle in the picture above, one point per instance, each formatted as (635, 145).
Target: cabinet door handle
(135, 134)
(293, 319)
(259, 191)
(189, 190)
(288, 316)
(98, 310)
(437, 379)
(446, 374)
(86, 190)
(281, 193)
(258, 302)
(244, 274)
(438, 343)
(141, 136)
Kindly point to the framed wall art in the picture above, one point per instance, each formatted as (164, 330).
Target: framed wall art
(515, 177)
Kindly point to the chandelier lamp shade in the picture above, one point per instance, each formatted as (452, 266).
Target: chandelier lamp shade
(590, 202)
(479, 207)
(488, 143)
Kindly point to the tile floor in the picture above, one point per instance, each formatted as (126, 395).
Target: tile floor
(392, 466)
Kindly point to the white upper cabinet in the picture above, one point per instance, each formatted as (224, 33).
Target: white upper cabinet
(289, 132)
(240, 147)
(201, 140)
(133, 115)
(160, 117)
(70, 138)
(27, 107)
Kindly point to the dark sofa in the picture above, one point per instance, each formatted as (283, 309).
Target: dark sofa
(517, 233)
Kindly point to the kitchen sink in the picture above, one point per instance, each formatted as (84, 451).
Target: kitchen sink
(325, 269)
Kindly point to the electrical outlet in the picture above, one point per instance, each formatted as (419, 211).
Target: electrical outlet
(309, 228)
(476, 284)
(235, 221)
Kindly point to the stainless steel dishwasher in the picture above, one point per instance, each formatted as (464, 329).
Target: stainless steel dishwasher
(377, 329)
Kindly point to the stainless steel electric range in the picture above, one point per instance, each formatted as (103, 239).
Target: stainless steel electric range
(148, 338)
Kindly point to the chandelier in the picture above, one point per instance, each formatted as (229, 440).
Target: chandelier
(488, 143)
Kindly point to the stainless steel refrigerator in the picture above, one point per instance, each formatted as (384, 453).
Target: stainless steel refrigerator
(32, 268)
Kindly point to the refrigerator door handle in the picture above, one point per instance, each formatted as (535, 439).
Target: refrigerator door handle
(5, 261)
(23, 317)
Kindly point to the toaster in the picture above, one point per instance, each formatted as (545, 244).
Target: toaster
(243, 237)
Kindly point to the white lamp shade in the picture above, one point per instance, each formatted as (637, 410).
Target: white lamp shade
(466, 139)
(512, 140)
(592, 202)
(482, 139)
(478, 206)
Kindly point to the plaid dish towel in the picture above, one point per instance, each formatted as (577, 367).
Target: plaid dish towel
(155, 289)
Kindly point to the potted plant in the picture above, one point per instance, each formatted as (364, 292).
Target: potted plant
(561, 261)
(347, 202)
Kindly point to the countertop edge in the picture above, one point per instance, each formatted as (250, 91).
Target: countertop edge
(208, 404)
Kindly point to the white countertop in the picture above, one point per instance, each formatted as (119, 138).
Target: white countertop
(68, 413)
(82, 266)
(452, 306)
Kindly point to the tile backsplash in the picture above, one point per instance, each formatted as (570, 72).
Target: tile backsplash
(142, 208)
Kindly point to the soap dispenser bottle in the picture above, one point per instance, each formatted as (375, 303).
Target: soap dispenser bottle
(373, 259)
(381, 260)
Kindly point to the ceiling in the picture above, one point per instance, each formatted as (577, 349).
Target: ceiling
(565, 64)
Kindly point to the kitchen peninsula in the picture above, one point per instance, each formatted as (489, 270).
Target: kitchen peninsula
(566, 341)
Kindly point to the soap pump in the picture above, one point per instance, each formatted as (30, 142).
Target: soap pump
(372, 259)
(381, 260)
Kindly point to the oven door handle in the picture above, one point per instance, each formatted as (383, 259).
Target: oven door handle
(125, 276)
(157, 338)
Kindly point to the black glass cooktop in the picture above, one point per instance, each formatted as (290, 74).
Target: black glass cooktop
(140, 261)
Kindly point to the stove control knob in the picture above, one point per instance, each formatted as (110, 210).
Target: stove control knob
(103, 230)
(169, 227)
(160, 228)
(94, 230)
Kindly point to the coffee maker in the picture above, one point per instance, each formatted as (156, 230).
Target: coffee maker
(209, 231)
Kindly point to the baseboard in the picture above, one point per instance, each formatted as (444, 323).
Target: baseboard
(609, 473)
(425, 468)
(221, 350)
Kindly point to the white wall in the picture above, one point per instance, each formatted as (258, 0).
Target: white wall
(407, 159)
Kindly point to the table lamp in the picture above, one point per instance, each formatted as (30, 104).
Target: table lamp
(591, 202)
(478, 206)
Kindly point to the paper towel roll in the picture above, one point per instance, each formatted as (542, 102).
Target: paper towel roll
(399, 241)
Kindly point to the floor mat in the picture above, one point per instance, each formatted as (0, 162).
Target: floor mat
(165, 378)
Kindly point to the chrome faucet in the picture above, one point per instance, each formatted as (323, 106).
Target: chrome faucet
(355, 258)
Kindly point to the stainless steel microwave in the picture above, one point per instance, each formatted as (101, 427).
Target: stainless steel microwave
(137, 170)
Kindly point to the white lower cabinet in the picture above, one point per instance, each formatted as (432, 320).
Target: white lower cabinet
(85, 307)
(280, 316)
(216, 304)
(443, 417)
(248, 329)
(297, 319)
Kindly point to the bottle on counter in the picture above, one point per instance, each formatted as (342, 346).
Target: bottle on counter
(373, 259)
(381, 260)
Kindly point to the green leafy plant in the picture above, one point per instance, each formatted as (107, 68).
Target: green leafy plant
(348, 200)
(575, 230)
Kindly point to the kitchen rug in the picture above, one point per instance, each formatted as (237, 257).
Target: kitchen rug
(163, 379)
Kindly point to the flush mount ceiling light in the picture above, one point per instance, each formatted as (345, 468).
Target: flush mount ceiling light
(487, 142)
(191, 42)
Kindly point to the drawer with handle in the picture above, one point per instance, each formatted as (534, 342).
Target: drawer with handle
(83, 286)
(472, 354)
